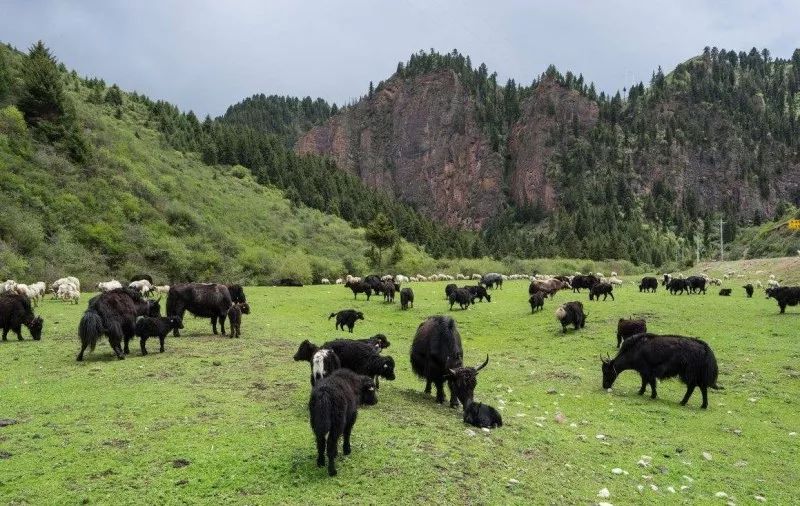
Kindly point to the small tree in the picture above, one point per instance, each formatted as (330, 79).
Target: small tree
(382, 235)
(43, 97)
(114, 96)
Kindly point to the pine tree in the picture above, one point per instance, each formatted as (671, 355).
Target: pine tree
(114, 96)
(382, 234)
(43, 97)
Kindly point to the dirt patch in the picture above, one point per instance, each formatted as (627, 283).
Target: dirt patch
(5, 422)
(4, 455)
(178, 463)
(117, 443)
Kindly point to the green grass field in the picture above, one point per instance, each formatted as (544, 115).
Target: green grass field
(221, 421)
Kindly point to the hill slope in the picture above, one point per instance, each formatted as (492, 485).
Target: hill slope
(138, 205)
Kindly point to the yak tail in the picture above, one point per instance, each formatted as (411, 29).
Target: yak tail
(321, 413)
(710, 368)
(332, 315)
(90, 328)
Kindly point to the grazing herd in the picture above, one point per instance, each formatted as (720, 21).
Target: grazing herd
(345, 373)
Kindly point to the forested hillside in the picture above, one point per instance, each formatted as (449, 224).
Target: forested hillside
(91, 189)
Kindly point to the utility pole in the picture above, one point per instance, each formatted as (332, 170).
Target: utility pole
(721, 246)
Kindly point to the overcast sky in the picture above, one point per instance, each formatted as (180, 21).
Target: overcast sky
(205, 55)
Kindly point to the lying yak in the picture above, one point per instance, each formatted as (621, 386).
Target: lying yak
(661, 357)
(482, 415)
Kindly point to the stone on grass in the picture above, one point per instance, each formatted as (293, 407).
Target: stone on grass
(760, 498)
(604, 493)
(721, 495)
(707, 456)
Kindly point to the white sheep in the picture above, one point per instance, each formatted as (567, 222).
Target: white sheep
(400, 278)
(8, 286)
(103, 286)
(772, 283)
(387, 277)
(161, 289)
(476, 277)
(325, 281)
(772, 276)
(615, 281)
(142, 286)
(339, 281)
(68, 292)
(613, 274)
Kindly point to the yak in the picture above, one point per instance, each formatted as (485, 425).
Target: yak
(677, 285)
(333, 408)
(359, 287)
(482, 415)
(748, 289)
(647, 284)
(436, 350)
(406, 298)
(536, 301)
(604, 289)
(492, 280)
(237, 294)
(478, 292)
(581, 281)
(785, 295)
(462, 296)
(665, 356)
(15, 311)
(347, 318)
(362, 358)
(571, 313)
(725, 292)
(206, 300)
(629, 328)
(450, 288)
(696, 284)
(114, 313)
(462, 382)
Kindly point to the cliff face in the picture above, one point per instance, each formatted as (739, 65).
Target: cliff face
(418, 139)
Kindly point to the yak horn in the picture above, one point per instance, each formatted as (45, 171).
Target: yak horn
(452, 372)
(483, 364)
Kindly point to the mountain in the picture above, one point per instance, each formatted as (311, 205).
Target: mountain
(557, 162)
(90, 188)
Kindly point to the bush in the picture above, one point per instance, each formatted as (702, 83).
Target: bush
(296, 266)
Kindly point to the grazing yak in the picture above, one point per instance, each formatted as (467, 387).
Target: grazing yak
(158, 326)
(362, 358)
(785, 295)
(374, 282)
(114, 313)
(604, 289)
(748, 289)
(450, 288)
(482, 415)
(725, 292)
(462, 296)
(333, 408)
(581, 281)
(16, 311)
(436, 350)
(347, 318)
(647, 284)
(462, 382)
(677, 285)
(696, 284)
(478, 292)
(359, 287)
(406, 298)
(206, 300)
(536, 301)
(548, 287)
(661, 357)
(492, 280)
(629, 328)
(237, 294)
(571, 313)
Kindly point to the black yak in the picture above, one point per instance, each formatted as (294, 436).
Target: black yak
(604, 289)
(462, 296)
(785, 295)
(478, 292)
(237, 294)
(571, 313)
(492, 280)
(581, 281)
(696, 284)
(388, 288)
(359, 287)
(347, 318)
(661, 357)
(462, 382)
(748, 289)
(16, 311)
(323, 361)
(114, 313)
(206, 300)
(482, 415)
(450, 288)
(725, 292)
(647, 284)
(333, 408)
(629, 328)
(536, 301)
(158, 326)
(362, 358)
(437, 349)
(379, 341)
(406, 298)
(677, 285)
(548, 287)
(235, 313)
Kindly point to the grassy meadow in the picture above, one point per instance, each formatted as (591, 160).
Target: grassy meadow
(220, 421)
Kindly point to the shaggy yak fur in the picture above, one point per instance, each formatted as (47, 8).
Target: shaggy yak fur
(629, 328)
(536, 301)
(437, 349)
(582, 281)
(604, 289)
(406, 298)
(725, 292)
(462, 381)
(492, 280)
(696, 284)
(482, 415)
(235, 313)
(661, 357)
(15, 311)
(676, 285)
(237, 293)
(206, 300)
(478, 292)
(359, 287)
(462, 296)
(647, 284)
(748, 288)
(347, 318)
(785, 295)
(114, 313)
(379, 341)
(333, 408)
(449, 289)
(158, 326)
(571, 313)
(323, 362)
(362, 358)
